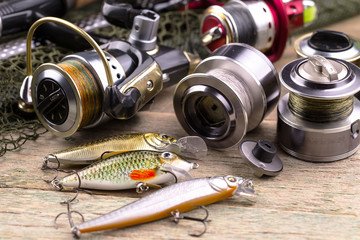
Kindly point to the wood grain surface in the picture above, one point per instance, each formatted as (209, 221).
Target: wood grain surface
(306, 201)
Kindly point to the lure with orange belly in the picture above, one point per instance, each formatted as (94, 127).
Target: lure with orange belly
(181, 197)
(125, 170)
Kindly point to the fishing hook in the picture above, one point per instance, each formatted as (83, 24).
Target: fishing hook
(69, 201)
(177, 217)
(54, 181)
(46, 162)
(69, 214)
(77, 189)
(45, 166)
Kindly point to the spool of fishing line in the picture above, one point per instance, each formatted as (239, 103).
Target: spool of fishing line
(319, 119)
(69, 95)
(228, 95)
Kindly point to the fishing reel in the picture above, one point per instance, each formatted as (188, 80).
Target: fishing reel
(115, 80)
(262, 24)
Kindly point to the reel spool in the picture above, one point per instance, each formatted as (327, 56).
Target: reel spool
(116, 80)
(227, 95)
(318, 120)
(330, 44)
(261, 24)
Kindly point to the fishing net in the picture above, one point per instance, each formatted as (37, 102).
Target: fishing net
(16, 128)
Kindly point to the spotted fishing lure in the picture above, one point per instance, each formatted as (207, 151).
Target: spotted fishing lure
(125, 170)
(180, 197)
(191, 146)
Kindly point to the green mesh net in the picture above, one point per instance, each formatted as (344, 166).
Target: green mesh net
(17, 128)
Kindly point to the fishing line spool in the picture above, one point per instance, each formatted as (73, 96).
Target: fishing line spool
(318, 120)
(261, 24)
(115, 80)
(228, 95)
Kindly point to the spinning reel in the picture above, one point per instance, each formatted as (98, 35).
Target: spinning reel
(115, 80)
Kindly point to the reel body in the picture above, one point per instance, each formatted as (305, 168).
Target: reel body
(261, 24)
(74, 93)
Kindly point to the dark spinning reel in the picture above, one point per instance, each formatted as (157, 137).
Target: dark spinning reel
(115, 80)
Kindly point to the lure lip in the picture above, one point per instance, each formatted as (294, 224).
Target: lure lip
(245, 189)
(193, 147)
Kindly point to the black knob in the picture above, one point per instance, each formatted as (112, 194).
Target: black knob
(264, 151)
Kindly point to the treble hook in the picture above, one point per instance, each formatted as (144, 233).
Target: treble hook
(54, 181)
(45, 166)
(177, 217)
(69, 214)
(68, 203)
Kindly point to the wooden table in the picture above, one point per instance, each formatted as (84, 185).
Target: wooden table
(307, 200)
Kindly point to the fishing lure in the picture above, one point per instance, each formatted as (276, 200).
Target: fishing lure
(126, 170)
(177, 198)
(190, 146)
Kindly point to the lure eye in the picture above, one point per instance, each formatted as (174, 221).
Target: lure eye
(167, 155)
(164, 136)
(231, 179)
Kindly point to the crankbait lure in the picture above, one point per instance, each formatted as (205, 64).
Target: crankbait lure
(180, 197)
(126, 170)
(191, 146)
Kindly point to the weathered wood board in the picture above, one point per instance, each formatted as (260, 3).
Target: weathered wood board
(306, 201)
